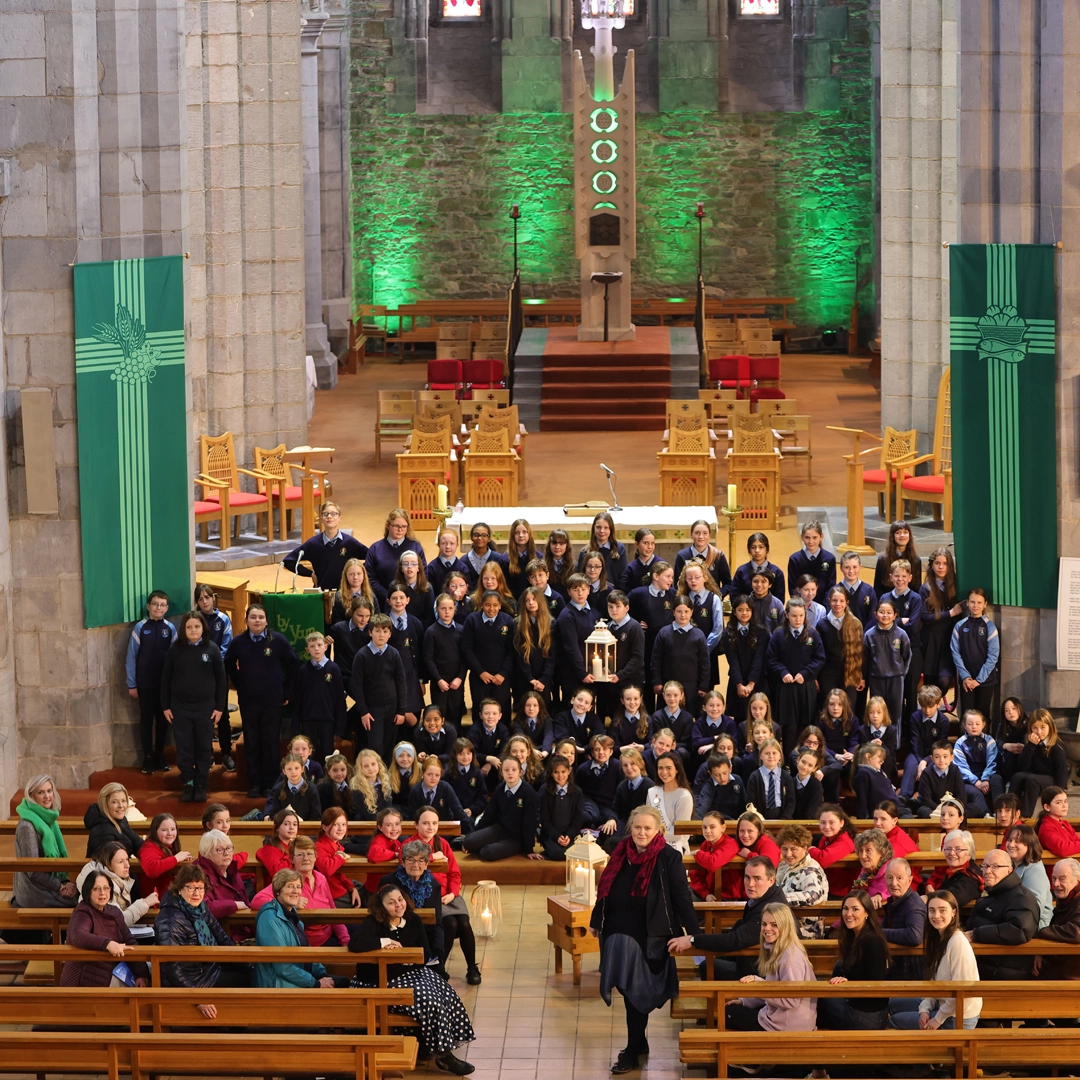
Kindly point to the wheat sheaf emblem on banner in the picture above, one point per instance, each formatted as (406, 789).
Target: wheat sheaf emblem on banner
(140, 359)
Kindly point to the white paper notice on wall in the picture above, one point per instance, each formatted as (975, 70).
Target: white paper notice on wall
(1068, 615)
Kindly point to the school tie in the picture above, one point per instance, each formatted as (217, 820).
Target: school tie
(431, 798)
(401, 624)
(773, 799)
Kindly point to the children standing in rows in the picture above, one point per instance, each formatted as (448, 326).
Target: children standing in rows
(629, 652)
(381, 561)
(319, 706)
(487, 645)
(975, 651)
(702, 550)
(354, 585)
(350, 635)
(812, 559)
(540, 578)
(151, 638)
(534, 723)
(444, 661)
(697, 583)
(757, 546)
(806, 587)
(794, 658)
(768, 610)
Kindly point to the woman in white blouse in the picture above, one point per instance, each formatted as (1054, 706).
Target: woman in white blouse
(673, 798)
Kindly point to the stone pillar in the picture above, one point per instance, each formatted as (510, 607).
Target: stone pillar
(316, 342)
(918, 205)
(532, 57)
(683, 40)
(9, 747)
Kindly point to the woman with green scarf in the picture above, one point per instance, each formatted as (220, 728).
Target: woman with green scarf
(38, 836)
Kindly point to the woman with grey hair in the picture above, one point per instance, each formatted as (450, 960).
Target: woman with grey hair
(958, 875)
(873, 850)
(417, 883)
(225, 892)
(38, 836)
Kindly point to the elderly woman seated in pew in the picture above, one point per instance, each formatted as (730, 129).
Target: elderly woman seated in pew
(801, 877)
(225, 892)
(114, 861)
(38, 836)
(958, 875)
(279, 926)
(874, 852)
(96, 923)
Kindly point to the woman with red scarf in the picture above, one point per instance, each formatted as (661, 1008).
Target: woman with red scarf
(958, 875)
(642, 901)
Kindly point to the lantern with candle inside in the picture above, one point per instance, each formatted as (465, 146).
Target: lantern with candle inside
(600, 653)
(486, 905)
(585, 860)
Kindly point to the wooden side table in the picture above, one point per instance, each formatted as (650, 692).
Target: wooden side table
(569, 931)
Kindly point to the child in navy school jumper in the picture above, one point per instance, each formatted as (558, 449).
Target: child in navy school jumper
(654, 608)
(908, 605)
(575, 623)
(445, 562)
(536, 647)
(870, 783)
(770, 787)
(434, 737)
(827, 770)
(444, 662)
(465, 777)
(489, 737)
(767, 612)
(975, 651)
(559, 559)
(510, 821)
(150, 640)
(793, 660)
(562, 811)
(598, 777)
(593, 571)
(578, 723)
(976, 755)
(878, 728)
(805, 587)
(888, 658)
(839, 725)
(809, 791)
(929, 724)
(480, 553)
(319, 705)
(540, 578)
(377, 687)
(261, 665)
(382, 558)
(411, 578)
(862, 599)
(744, 644)
(629, 652)
(939, 777)
(520, 553)
(533, 722)
(433, 790)
(812, 559)
(350, 635)
(487, 644)
(639, 572)
(602, 541)
(725, 746)
(630, 727)
(457, 585)
(632, 792)
(758, 548)
(407, 636)
(661, 742)
(711, 723)
(294, 790)
(681, 655)
(701, 549)
(697, 583)
(721, 790)
(674, 716)
(303, 746)
(220, 626)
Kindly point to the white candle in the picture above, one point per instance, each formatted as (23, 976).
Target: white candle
(597, 667)
(485, 923)
(732, 496)
(440, 499)
(581, 881)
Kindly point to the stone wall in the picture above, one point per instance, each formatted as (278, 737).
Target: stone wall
(788, 194)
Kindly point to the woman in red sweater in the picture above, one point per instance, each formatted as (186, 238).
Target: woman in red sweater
(160, 855)
(837, 841)
(274, 853)
(385, 845)
(717, 850)
(753, 840)
(887, 819)
(1055, 833)
(331, 856)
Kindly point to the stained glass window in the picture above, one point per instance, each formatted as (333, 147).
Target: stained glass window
(759, 7)
(596, 8)
(461, 9)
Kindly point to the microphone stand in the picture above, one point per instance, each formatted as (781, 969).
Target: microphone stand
(611, 487)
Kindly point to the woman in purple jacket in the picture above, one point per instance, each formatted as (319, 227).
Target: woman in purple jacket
(96, 923)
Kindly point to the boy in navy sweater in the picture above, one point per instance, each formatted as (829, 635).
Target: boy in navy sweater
(150, 640)
(939, 777)
(538, 574)
(720, 790)
(871, 784)
(976, 756)
(378, 689)
(598, 780)
(575, 623)
(487, 646)
(319, 707)
(444, 661)
(862, 600)
(929, 724)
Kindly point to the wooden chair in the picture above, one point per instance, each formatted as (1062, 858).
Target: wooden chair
(369, 315)
(936, 486)
(895, 447)
(687, 467)
(719, 331)
(447, 406)
(505, 418)
(355, 355)
(217, 466)
(754, 467)
(797, 428)
(393, 421)
(777, 406)
(207, 511)
(272, 462)
(429, 462)
(491, 469)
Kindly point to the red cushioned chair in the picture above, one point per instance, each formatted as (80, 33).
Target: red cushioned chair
(766, 393)
(481, 375)
(730, 373)
(444, 375)
(765, 371)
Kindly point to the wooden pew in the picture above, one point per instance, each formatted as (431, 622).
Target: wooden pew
(982, 829)
(73, 827)
(367, 1057)
(718, 915)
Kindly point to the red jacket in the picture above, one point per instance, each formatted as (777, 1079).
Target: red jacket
(224, 893)
(157, 868)
(709, 858)
(329, 863)
(273, 859)
(1056, 836)
(903, 846)
(828, 852)
(381, 850)
(732, 879)
(448, 873)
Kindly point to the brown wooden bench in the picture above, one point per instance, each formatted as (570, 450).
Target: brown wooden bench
(718, 915)
(980, 828)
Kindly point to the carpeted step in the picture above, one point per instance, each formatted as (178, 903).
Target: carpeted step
(601, 422)
(597, 403)
(553, 391)
(618, 361)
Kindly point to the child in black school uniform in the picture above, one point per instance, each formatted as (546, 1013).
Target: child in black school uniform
(770, 787)
(492, 578)
(767, 612)
(720, 790)
(702, 550)
(465, 777)
(151, 638)
(535, 646)
(578, 723)
(411, 578)
(510, 821)
(809, 793)
(632, 791)
(520, 552)
(654, 608)
(407, 636)
(908, 606)
(444, 662)
(319, 698)
(540, 578)
(639, 572)
(757, 546)
(446, 561)
(812, 559)
(749, 760)
(349, 636)
(743, 643)
(941, 609)
(377, 687)
(373, 785)
(861, 597)
(292, 790)
(871, 784)
(629, 653)
(928, 724)
(711, 723)
(489, 738)
(534, 723)
(706, 598)
(602, 541)
(598, 777)
(725, 747)
(900, 545)
(487, 644)
(681, 655)
(481, 553)
(593, 570)
(457, 585)
(828, 771)
(434, 791)
(304, 748)
(793, 660)
(433, 736)
(404, 772)
(562, 811)
(575, 623)
(559, 560)
(878, 728)
(661, 742)
(758, 708)
(334, 788)
(630, 728)
(673, 715)
(888, 658)
(939, 777)
(220, 628)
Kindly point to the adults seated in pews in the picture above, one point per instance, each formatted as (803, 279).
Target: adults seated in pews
(107, 820)
(1022, 844)
(958, 875)
(113, 861)
(1064, 926)
(759, 884)
(949, 956)
(418, 883)
(782, 959)
(643, 905)
(874, 852)
(444, 1023)
(185, 919)
(279, 926)
(316, 894)
(800, 877)
(225, 892)
(96, 923)
(1007, 915)
(38, 836)
(903, 919)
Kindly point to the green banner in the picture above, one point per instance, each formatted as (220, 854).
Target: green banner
(295, 615)
(135, 491)
(1004, 420)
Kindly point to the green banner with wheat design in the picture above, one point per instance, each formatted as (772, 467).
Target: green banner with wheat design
(135, 494)
(1002, 328)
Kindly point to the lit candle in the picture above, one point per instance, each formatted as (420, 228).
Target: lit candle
(485, 923)
(732, 496)
(597, 667)
(581, 881)
(440, 498)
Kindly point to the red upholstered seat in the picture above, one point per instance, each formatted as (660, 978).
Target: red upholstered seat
(239, 498)
(443, 375)
(293, 493)
(765, 368)
(933, 485)
(770, 393)
(206, 507)
(876, 476)
(482, 375)
(730, 372)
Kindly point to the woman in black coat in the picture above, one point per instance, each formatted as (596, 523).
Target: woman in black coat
(642, 901)
(107, 820)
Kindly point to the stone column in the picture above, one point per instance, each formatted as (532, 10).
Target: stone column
(313, 19)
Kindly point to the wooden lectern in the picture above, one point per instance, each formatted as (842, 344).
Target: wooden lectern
(856, 540)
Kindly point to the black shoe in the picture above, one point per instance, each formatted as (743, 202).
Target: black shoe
(449, 1063)
(457, 843)
(473, 976)
(228, 762)
(254, 792)
(624, 1063)
(161, 765)
(264, 792)
(187, 794)
(201, 795)
(147, 765)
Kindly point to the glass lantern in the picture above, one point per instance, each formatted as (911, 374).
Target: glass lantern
(486, 904)
(600, 653)
(585, 861)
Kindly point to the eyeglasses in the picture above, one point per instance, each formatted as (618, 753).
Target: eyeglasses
(994, 866)
(225, 850)
(331, 513)
(193, 886)
(416, 862)
(955, 850)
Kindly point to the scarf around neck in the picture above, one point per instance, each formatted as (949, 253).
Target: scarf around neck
(645, 861)
(46, 825)
(418, 891)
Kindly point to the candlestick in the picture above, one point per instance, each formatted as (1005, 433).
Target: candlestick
(732, 496)
(732, 513)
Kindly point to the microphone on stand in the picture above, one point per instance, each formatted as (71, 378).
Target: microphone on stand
(299, 556)
(611, 476)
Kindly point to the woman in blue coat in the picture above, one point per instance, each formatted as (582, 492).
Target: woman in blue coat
(279, 926)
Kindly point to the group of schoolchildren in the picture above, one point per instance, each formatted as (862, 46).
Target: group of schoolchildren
(837, 682)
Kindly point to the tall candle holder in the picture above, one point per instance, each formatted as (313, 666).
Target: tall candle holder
(732, 513)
